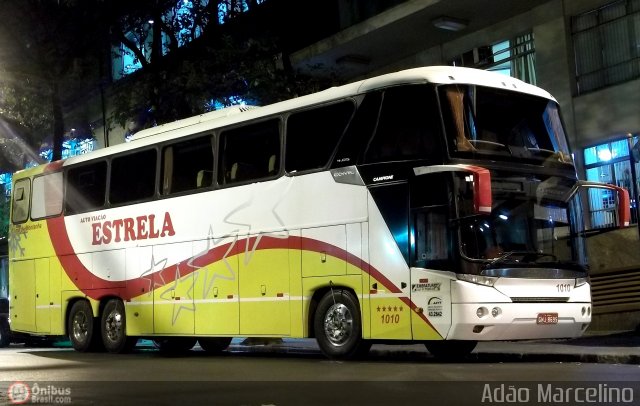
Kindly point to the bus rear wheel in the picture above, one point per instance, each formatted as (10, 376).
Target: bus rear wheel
(81, 327)
(114, 328)
(337, 325)
(214, 345)
(454, 350)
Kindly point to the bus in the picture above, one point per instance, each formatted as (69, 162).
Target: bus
(436, 205)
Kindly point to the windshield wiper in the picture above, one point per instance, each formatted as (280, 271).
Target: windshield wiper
(526, 257)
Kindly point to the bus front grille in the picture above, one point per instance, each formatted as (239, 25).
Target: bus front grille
(539, 299)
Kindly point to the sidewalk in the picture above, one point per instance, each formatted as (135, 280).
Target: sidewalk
(601, 347)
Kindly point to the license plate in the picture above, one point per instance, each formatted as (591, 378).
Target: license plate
(547, 318)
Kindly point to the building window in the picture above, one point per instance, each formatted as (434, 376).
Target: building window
(611, 162)
(606, 43)
(70, 147)
(514, 57)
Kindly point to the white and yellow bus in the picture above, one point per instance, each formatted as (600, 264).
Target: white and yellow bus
(438, 205)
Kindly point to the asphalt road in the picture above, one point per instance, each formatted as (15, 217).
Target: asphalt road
(243, 377)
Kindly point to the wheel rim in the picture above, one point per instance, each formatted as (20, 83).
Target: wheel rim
(80, 327)
(338, 324)
(113, 325)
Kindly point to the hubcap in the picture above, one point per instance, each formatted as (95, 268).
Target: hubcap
(80, 328)
(338, 324)
(113, 325)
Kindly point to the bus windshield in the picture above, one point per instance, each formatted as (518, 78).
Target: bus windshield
(525, 232)
(483, 121)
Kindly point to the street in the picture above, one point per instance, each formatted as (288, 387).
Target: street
(244, 376)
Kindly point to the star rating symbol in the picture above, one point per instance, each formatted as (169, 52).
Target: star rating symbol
(393, 309)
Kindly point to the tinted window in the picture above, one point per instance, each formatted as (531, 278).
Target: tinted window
(47, 196)
(393, 202)
(249, 153)
(133, 177)
(187, 165)
(86, 187)
(407, 127)
(359, 131)
(20, 206)
(312, 135)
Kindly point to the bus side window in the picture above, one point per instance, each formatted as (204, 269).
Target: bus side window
(86, 187)
(21, 197)
(359, 131)
(133, 177)
(187, 165)
(47, 196)
(407, 127)
(312, 135)
(249, 153)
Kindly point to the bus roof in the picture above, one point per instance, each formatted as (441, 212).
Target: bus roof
(238, 114)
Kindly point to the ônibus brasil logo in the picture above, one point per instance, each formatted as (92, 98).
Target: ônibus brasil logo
(19, 393)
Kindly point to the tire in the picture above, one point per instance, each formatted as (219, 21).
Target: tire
(455, 350)
(175, 345)
(81, 327)
(113, 327)
(5, 338)
(338, 327)
(214, 345)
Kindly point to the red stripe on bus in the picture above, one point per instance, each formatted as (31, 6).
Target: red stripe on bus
(96, 287)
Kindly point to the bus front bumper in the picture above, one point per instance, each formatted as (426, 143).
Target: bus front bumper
(518, 321)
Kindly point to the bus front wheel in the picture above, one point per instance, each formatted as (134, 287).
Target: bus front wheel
(81, 326)
(113, 326)
(337, 325)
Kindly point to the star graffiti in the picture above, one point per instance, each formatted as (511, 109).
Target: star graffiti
(212, 242)
(153, 268)
(266, 199)
(169, 294)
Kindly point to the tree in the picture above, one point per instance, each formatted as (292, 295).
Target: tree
(189, 60)
(45, 46)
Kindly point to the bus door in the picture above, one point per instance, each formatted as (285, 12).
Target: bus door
(389, 276)
(436, 193)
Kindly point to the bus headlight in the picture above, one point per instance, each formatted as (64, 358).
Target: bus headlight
(581, 281)
(477, 279)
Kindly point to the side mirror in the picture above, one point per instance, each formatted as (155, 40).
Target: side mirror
(622, 202)
(475, 183)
